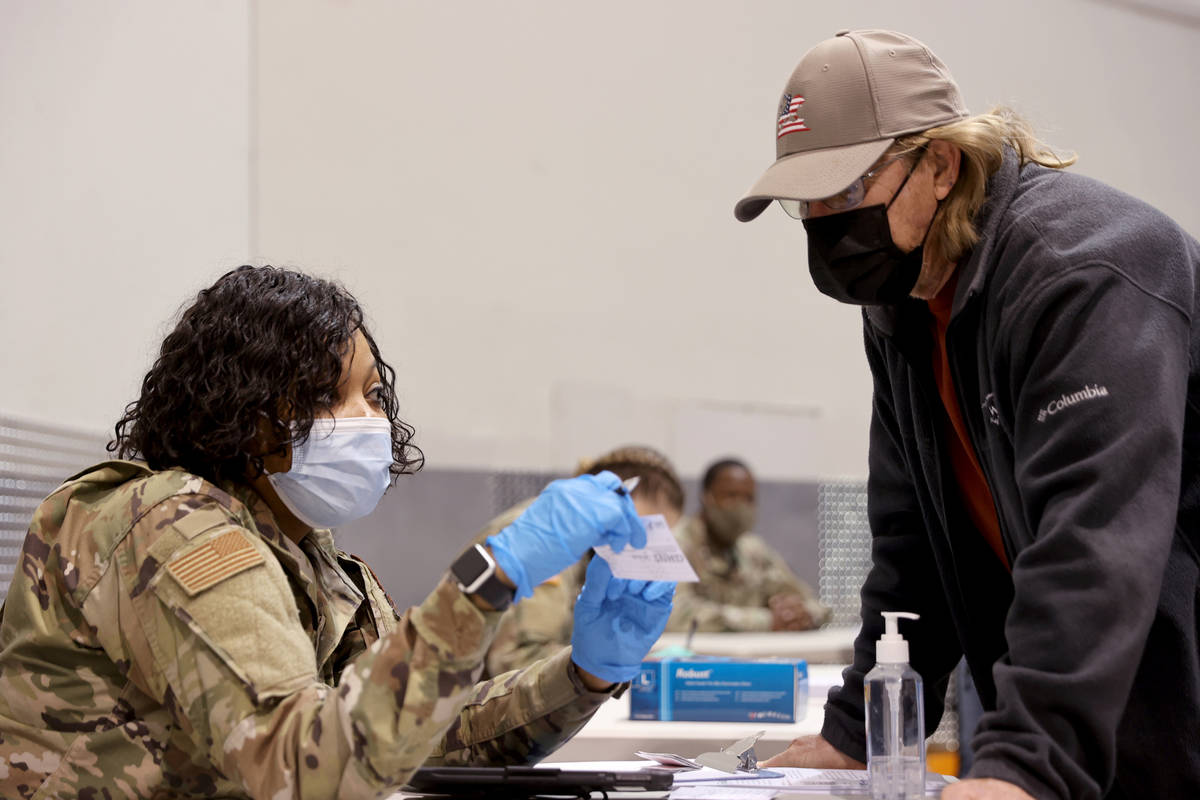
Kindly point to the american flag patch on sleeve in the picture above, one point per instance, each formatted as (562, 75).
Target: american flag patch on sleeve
(214, 561)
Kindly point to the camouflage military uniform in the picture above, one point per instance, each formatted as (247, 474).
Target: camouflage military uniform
(538, 626)
(163, 638)
(735, 585)
(541, 625)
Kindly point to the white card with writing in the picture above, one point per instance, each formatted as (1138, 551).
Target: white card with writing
(660, 560)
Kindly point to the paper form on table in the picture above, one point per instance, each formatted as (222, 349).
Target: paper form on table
(798, 780)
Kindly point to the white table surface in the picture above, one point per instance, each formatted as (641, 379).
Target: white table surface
(612, 736)
(833, 645)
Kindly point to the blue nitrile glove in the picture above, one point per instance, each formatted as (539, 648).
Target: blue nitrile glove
(617, 621)
(569, 517)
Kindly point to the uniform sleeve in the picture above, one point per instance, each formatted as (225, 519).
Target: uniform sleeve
(1099, 370)
(714, 616)
(714, 604)
(535, 628)
(522, 716)
(902, 577)
(762, 573)
(778, 578)
(223, 647)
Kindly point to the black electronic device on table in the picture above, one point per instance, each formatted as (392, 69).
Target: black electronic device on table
(513, 782)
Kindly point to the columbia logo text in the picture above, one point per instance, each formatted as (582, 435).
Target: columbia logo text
(989, 408)
(1068, 400)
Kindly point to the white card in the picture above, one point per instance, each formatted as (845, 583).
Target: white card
(660, 560)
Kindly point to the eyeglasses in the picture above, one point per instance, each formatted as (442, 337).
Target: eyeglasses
(848, 198)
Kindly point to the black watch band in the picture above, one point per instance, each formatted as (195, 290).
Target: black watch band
(475, 570)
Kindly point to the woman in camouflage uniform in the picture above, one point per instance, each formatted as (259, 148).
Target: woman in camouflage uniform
(176, 629)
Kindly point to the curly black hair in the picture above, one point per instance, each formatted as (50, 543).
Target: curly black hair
(248, 366)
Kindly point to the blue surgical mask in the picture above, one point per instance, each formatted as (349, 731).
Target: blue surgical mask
(339, 473)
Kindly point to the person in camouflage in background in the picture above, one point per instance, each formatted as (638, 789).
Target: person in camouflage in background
(541, 626)
(745, 585)
(176, 629)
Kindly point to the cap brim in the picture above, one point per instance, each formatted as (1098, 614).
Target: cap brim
(810, 176)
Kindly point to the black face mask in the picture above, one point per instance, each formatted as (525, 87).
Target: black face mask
(852, 258)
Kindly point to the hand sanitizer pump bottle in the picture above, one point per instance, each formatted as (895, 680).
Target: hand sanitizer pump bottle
(895, 718)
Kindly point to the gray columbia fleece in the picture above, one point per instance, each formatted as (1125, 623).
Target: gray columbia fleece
(1075, 350)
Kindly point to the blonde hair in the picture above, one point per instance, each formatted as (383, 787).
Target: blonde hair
(982, 140)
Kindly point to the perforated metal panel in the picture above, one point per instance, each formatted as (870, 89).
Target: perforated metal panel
(34, 460)
(511, 487)
(844, 537)
(844, 542)
(946, 736)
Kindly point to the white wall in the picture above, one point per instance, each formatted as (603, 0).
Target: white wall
(533, 198)
(124, 187)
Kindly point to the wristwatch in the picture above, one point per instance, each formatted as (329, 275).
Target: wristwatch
(475, 570)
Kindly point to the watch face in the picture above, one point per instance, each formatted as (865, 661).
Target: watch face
(475, 571)
(469, 566)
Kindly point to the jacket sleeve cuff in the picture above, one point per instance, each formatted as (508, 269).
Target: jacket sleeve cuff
(846, 735)
(1005, 770)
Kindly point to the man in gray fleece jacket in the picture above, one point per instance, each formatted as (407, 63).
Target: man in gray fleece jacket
(1034, 488)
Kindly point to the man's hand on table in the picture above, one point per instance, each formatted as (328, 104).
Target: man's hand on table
(813, 751)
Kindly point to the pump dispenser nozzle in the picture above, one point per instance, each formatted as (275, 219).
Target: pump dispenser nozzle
(892, 647)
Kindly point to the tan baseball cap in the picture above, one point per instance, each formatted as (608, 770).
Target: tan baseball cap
(847, 101)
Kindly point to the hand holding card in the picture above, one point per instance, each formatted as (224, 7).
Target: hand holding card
(660, 560)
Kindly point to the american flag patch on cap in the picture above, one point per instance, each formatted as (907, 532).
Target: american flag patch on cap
(789, 116)
(214, 561)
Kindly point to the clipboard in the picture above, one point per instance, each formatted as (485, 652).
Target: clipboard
(514, 782)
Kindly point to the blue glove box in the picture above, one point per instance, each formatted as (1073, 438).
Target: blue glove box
(716, 689)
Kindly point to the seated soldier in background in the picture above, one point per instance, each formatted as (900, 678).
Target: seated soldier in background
(745, 585)
(541, 625)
